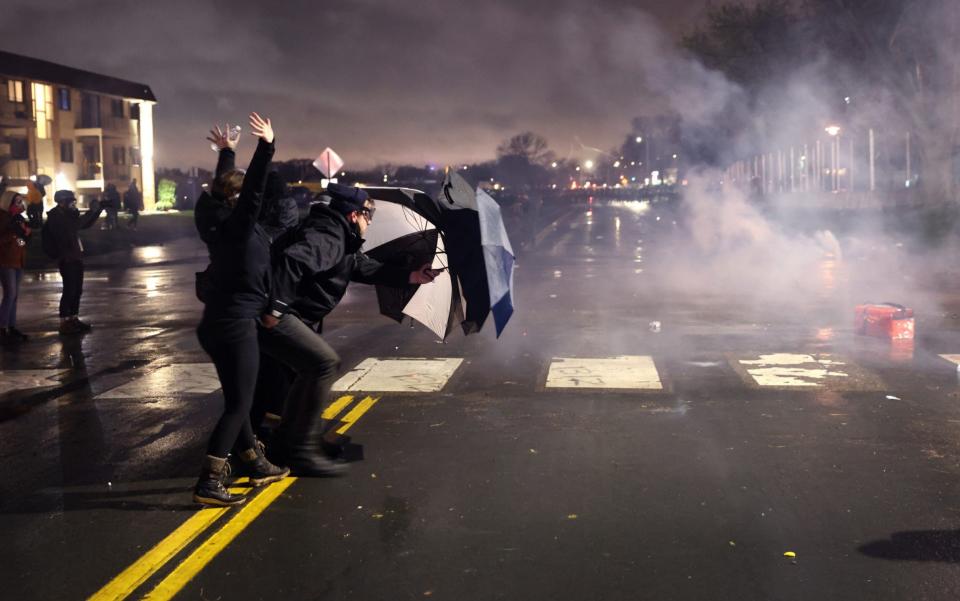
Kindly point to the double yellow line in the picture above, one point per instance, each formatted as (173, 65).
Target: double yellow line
(132, 578)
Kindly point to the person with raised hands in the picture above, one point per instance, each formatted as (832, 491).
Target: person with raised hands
(236, 294)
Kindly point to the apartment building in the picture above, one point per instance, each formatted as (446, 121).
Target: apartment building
(83, 130)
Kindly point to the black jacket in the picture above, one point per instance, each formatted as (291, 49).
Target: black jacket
(314, 263)
(63, 227)
(239, 248)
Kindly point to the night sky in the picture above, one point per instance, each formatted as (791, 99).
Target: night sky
(379, 83)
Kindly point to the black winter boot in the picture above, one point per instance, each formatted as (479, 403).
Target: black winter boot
(314, 464)
(302, 448)
(258, 469)
(210, 489)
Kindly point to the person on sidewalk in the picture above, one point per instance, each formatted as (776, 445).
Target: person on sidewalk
(133, 203)
(35, 194)
(312, 269)
(14, 234)
(111, 204)
(61, 239)
(237, 293)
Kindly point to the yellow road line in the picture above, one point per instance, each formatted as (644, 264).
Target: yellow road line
(337, 406)
(355, 413)
(206, 552)
(154, 559)
(140, 571)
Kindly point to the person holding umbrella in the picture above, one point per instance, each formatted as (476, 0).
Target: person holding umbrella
(311, 271)
(61, 241)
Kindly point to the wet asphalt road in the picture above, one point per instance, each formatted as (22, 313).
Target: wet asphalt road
(498, 486)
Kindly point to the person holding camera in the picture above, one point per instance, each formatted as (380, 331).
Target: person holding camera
(61, 240)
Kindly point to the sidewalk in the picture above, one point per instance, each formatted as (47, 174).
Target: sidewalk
(107, 247)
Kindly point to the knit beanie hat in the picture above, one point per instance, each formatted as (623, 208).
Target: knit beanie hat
(346, 199)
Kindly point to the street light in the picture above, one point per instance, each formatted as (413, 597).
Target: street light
(639, 140)
(588, 164)
(834, 132)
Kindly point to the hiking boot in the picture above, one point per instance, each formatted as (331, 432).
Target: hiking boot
(16, 335)
(69, 327)
(260, 471)
(315, 465)
(210, 489)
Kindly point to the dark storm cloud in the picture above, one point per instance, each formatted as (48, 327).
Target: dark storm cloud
(430, 82)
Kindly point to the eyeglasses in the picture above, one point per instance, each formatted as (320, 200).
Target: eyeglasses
(368, 213)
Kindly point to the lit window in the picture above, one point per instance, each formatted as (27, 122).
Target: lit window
(43, 110)
(66, 151)
(15, 90)
(63, 98)
(19, 149)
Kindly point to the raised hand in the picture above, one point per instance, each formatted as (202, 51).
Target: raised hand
(221, 138)
(262, 128)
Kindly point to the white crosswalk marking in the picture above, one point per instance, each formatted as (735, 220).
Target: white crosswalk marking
(181, 378)
(399, 375)
(793, 370)
(633, 372)
(25, 379)
(955, 359)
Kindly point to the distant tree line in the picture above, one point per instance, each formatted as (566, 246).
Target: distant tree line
(873, 62)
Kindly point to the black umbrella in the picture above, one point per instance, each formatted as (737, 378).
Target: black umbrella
(402, 235)
(412, 228)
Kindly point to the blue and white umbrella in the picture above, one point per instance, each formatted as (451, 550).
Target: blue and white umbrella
(486, 273)
(462, 232)
(498, 258)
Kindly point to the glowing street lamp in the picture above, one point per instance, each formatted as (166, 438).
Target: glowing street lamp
(588, 164)
(834, 132)
(639, 140)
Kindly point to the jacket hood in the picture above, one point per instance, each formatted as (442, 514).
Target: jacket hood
(6, 199)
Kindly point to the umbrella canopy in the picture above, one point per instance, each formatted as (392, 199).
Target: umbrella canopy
(402, 236)
(482, 255)
(463, 232)
(498, 258)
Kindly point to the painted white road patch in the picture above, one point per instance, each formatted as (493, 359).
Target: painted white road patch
(182, 378)
(794, 370)
(955, 359)
(26, 379)
(399, 375)
(627, 372)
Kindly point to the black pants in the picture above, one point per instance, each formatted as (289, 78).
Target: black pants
(134, 217)
(273, 385)
(232, 344)
(72, 274)
(315, 364)
(35, 215)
